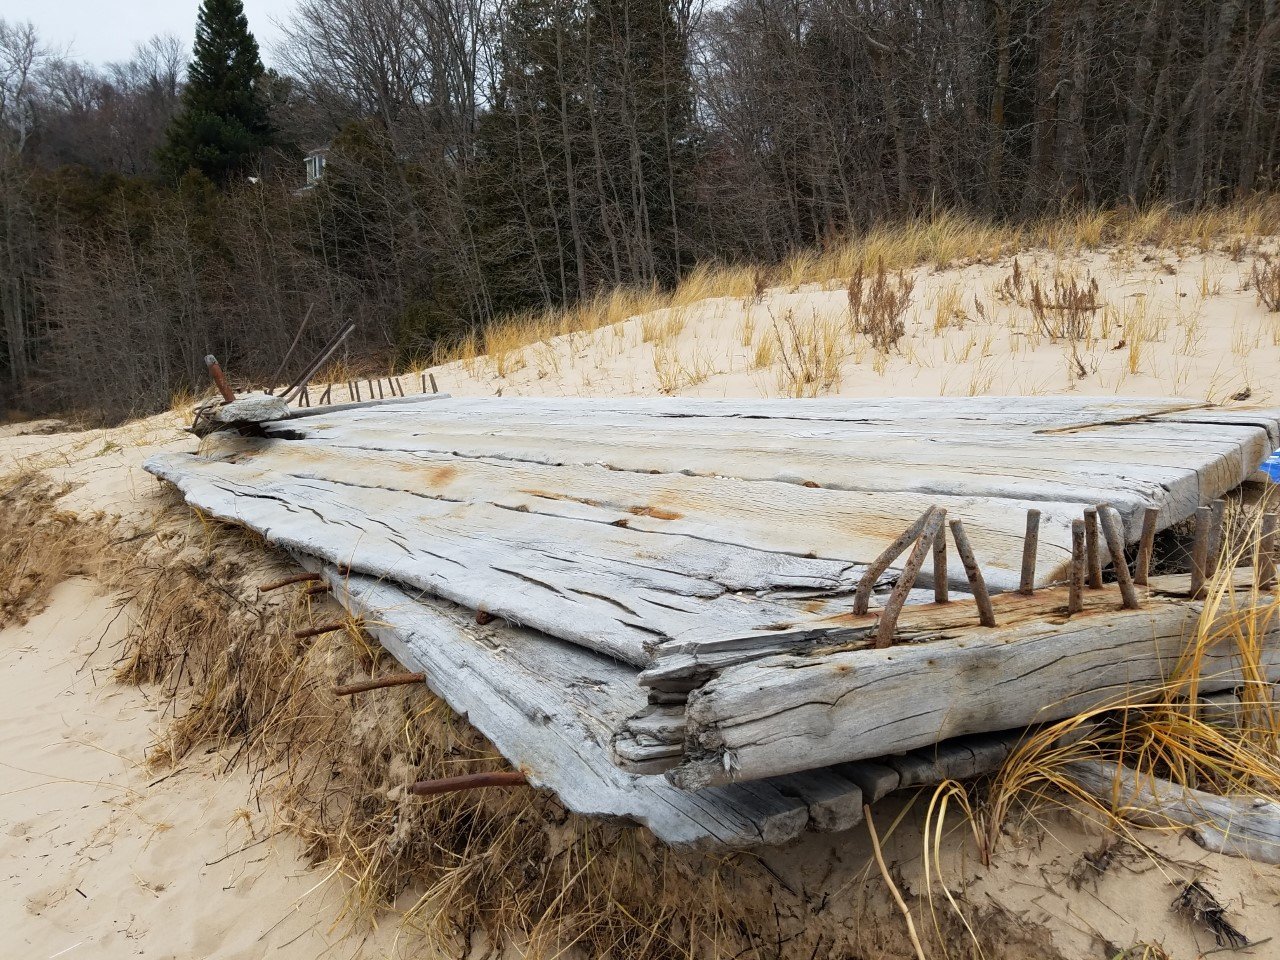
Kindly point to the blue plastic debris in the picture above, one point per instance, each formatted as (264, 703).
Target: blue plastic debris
(1271, 467)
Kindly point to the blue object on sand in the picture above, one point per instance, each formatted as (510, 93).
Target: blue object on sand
(1271, 467)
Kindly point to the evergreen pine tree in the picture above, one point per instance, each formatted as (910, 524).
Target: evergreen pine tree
(223, 125)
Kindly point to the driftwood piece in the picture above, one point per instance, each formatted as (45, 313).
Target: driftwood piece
(1239, 826)
(790, 712)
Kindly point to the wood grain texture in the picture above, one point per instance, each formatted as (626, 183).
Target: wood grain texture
(787, 712)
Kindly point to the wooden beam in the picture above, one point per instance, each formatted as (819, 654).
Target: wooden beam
(865, 703)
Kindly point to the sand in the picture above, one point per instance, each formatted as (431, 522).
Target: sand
(105, 857)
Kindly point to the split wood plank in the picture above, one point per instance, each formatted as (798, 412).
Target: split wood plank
(789, 712)
(605, 587)
(549, 707)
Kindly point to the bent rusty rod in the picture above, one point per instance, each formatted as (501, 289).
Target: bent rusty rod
(471, 781)
(288, 581)
(390, 680)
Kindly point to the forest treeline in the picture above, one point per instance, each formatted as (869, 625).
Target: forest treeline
(494, 156)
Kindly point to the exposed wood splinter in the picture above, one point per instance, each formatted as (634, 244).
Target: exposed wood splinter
(471, 781)
(390, 680)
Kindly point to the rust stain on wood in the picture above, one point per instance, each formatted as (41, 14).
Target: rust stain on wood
(658, 513)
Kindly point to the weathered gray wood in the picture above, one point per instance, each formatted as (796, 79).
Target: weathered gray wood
(606, 587)
(549, 707)
(251, 408)
(791, 712)
(875, 780)
(1239, 826)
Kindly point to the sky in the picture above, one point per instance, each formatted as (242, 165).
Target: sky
(101, 31)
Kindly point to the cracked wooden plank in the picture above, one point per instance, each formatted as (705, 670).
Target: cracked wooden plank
(786, 713)
(607, 588)
(550, 707)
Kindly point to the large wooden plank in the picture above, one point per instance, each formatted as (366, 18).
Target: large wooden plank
(1132, 465)
(792, 712)
(609, 588)
(550, 707)
(822, 523)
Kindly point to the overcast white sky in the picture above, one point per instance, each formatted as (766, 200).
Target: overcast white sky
(103, 30)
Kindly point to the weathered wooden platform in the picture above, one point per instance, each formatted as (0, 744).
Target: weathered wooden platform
(713, 545)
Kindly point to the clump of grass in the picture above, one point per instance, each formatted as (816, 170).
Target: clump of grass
(1264, 277)
(947, 309)
(1160, 735)
(877, 303)
(40, 545)
(810, 354)
(662, 327)
(1065, 310)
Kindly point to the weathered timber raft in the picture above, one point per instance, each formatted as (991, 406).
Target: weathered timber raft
(616, 589)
